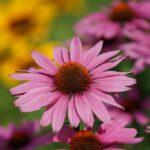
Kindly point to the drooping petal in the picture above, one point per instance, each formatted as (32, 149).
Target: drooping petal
(31, 77)
(60, 113)
(72, 113)
(98, 108)
(40, 101)
(47, 116)
(31, 95)
(27, 86)
(106, 98)
(84, 114)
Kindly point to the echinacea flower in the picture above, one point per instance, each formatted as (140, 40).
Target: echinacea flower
(107, 137)
(134, 108)
(20, 137)
(79, 82)
(108, 24)
(138, 48)
(139, 53)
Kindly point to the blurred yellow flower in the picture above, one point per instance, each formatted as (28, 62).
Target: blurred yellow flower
(24, 20)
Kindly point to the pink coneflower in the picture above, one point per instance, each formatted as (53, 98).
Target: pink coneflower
(138, 49)
(107, 137)
(20, 137)
(109, 24)
(135, 108)
(80, 82)
(139, 53)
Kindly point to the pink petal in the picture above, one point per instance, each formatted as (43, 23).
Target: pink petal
(31, 95)
(25, 87)
(85, 114)
(39, 102)
(101, 59)
(72, 113)
(98, 108)
(116, 133)
(109, 74)
(76, 49)
(58, 55)
(44, 62)
(92, 53)
(107, 66)
(31, 76)
(65, 54)
(47, 116)
(122, 80)
(110, 87)
(60, 113)
(106, 98)
(142, 118)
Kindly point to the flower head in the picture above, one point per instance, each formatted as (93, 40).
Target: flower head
(110, 23)
(20, 137)
(19, 23)
(78, 80)
(138, 48)
(108, 136)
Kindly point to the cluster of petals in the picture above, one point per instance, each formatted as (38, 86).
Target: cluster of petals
(107, 137)
(110, 23)
(41, 89)
(138, 47)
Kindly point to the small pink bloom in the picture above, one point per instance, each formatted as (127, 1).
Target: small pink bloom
(134, 108)
(110, 23)
(78, 84)
(20, 137)
(107, 137)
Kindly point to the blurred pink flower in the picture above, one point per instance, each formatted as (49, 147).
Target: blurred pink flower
(110, 23)
(20, 137)
(135, 108)
(138, 52)
(147, 130)
(139, 49)
(78, 80)
(107, 137)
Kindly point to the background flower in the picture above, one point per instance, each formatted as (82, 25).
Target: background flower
(107, 137)
(135, 108)
(20, 137)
